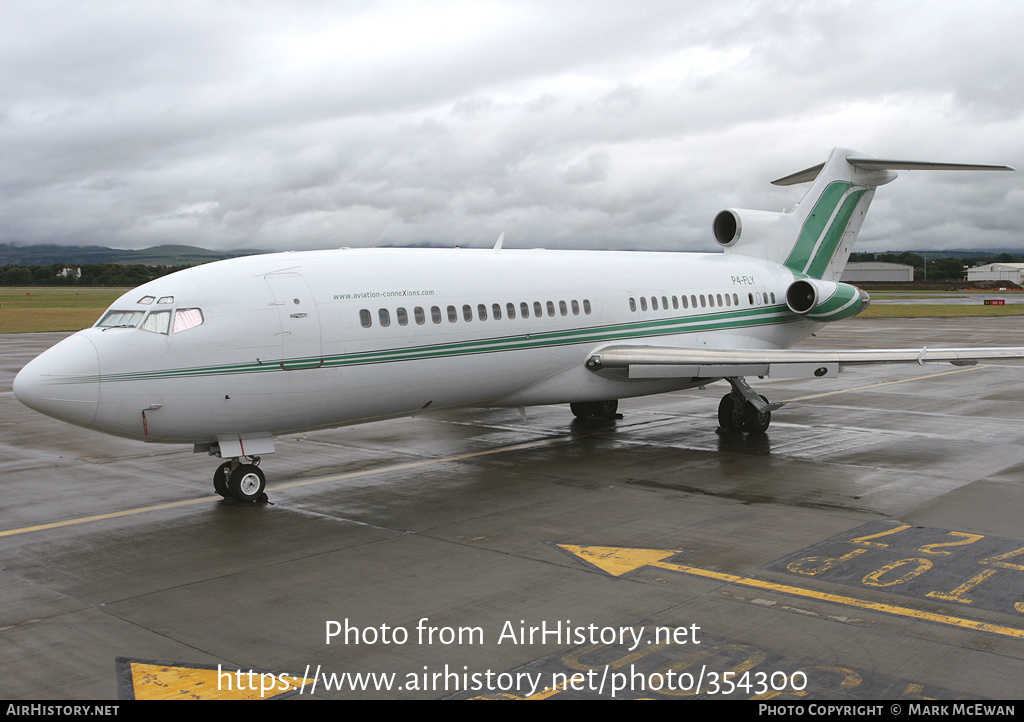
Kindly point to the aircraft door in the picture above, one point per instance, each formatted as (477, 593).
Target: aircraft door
(300, 322)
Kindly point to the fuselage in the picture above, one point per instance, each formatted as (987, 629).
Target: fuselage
(281, 343)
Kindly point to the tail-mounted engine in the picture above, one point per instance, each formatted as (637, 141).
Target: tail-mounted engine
(733, 224)
(825, 300)
(762, 234)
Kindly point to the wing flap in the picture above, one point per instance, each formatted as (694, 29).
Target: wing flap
(665, 362)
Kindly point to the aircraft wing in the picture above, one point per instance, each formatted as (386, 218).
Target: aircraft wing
(654, 362)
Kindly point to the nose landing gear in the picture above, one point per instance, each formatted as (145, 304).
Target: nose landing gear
(242, 482)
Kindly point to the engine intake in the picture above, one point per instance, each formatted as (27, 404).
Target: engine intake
(825, 300)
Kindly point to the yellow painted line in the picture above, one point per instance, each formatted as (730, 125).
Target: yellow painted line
(152, 680)
(100, 517)
(887, 383)
(619, 561)
(294, 484)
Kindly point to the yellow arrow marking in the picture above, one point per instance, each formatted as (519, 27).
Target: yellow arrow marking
(164, 681)
(618, 561)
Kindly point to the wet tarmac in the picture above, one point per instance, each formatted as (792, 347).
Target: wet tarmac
(869, 546)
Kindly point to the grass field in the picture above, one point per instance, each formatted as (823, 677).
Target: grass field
(941, 310)
(31, 310)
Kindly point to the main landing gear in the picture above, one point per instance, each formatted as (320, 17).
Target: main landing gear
(744, 409)
(243, 482)
(595, 410)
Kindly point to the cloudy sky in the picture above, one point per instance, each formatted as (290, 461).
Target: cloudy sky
(298, 125)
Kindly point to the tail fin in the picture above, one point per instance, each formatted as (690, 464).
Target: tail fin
(816, 237)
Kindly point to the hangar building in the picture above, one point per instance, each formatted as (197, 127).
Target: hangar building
(877, 271)
(997, 272)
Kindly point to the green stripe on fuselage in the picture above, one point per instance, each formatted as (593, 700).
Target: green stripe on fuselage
(763, 316)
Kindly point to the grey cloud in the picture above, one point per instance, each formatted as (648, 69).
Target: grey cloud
(574, 125)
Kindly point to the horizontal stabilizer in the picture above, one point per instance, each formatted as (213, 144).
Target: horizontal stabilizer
(882, 164)
(867, 163)
(804, 176)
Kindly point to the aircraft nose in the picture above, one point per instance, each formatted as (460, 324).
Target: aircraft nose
(62, 382)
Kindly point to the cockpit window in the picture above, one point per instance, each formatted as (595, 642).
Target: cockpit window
(166, 299)
(146, 300)
(157, 322)
(187, 318)
(121, 319)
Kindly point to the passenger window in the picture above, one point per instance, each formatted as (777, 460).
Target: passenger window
(403, 317)
(510, 310)
(675, 302)
(586, 306)
(702, 303)
(435, 314)
(482, 311)
(524, 309)
(385, 317)
(417, 313)
(453, 315)
(538, 310)
(186, 318)
(562, 308)
(365, 318)
(685, 302)
(575, 308)
(719, 297)
(654, 303)
(496, 311)
(467, 312)
(632, 304)
(643, 303)
(551, 308)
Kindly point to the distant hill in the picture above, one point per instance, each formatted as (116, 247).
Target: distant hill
(16, 255)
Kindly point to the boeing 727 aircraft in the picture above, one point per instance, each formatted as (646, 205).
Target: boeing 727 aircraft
(228, 355)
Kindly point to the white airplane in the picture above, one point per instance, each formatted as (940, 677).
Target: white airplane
(228, 355)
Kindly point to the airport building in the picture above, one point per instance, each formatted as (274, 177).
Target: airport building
(877, 271)
(997, 272)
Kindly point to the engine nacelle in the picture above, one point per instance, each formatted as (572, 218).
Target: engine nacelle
(825, 300)
(762, 234)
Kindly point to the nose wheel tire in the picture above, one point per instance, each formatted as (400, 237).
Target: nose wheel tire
(246, 482)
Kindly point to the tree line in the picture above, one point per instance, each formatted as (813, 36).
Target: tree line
(91, 274)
